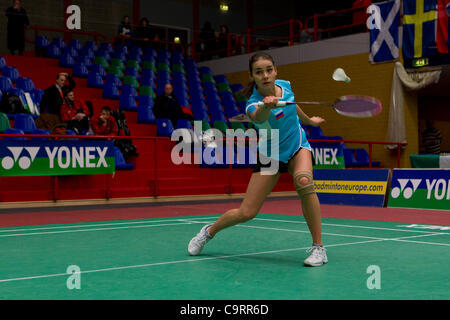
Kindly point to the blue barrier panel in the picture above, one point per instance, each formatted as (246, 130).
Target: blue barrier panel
(358, 187)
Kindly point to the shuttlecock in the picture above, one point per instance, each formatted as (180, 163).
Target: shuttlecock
(339, 75)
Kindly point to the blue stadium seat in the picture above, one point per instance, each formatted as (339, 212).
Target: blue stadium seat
(204, 70)
(349, 157)
(24, 122)
(26, 84)
(11, 72)
(113, 79)
(145, 114)
(128, 103)
(135, 56)
(76, 44)
(91, 44)
(95, 80)
(71, 51)
(17, 91)
(149, 54)
(119, 55)
(129, 90)
(362, 158)
(66, 61)
(87, 61)
(40, 132)
(41, 42)
(221, 78)
(36, 95)
(5, 83)
(120, 48)
(53, 51)
(164, 128)
(59, 42)
(130, 71)
(87, 52)
(2, 62)
(236, 87)
(14, 131)
(80, 70)
(111, 91)
(120, 163)
(107, 47)
(98, 68)
(177, 57)
(146, 101)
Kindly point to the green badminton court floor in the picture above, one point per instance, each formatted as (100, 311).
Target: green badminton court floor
(259, 260)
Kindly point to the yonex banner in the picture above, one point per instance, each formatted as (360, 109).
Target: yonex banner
(359, 187)
(43, 158)
(328, 155)
(420, 189)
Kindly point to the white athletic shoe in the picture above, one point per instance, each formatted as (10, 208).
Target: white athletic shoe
(317, 258)
(198, 242)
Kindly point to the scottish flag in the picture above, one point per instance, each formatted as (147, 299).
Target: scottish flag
(383, 25)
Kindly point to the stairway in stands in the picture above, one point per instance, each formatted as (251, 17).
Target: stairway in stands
(172, 180)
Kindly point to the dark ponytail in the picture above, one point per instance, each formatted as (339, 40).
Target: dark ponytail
(248, 91)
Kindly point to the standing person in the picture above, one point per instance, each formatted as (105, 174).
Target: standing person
(167, 106)
(294, 157)
(432, 139)
(125, 27)
(52, 100)
(17, 21)
(208, 41)
(144, 33)
(222, 41)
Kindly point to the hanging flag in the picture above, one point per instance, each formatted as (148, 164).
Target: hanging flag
(442, 39)
(383, 25)
(419, 28)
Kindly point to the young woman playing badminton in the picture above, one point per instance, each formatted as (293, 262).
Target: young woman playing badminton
(294, 156)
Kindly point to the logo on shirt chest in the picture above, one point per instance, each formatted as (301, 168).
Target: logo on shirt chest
(279, 114)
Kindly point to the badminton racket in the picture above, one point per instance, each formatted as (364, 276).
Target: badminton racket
(350, 106)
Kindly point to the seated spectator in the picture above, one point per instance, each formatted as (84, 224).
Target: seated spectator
(52, 100)
(74, 113)
(167, 106)
(104, 124)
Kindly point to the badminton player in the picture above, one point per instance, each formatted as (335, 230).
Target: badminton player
(294, 156)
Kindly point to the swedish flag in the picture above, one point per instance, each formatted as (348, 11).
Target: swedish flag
(419, 28)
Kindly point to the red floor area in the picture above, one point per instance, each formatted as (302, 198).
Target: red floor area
(291, 207)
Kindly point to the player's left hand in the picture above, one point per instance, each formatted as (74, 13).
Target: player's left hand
(316, 121)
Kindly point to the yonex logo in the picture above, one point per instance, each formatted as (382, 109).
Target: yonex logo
(407, 191)
(24, 161)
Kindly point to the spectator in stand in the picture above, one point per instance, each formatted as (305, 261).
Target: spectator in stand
(104, 124)
(167, 107)
(143, 32)
(432, 139)
(52, 100)
(74, 113)
(222, 41)
(207, 41)
(125, 27)
(360, 16)
(17, 21)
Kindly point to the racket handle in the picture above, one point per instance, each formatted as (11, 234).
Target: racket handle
(279, 104)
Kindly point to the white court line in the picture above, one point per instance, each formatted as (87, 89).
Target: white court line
(196, 260)
(90, 225)
(340, 235)
(86, 230)
(180, 261)
(335, 225)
